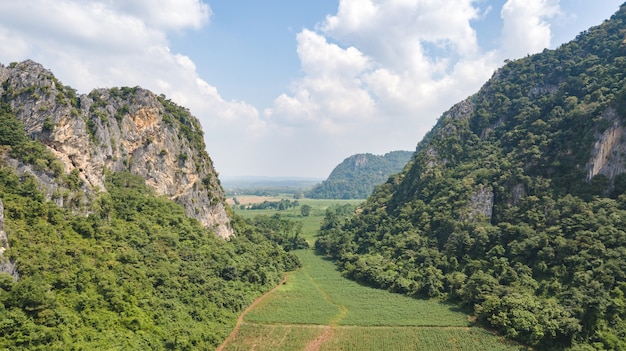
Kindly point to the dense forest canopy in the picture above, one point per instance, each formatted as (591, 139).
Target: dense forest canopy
(357, 176)
(127, 269)
(514, 205)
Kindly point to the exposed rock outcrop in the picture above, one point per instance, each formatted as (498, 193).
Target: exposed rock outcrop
(119, 129)
(6, 266)
(4, 242)
(609, 151)
(481, 203)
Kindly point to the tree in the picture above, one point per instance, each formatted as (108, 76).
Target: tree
(305, 210)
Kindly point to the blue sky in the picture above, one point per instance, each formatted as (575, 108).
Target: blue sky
(255, 41)
(293, 87)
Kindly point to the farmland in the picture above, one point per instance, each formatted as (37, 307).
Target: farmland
(318, 284)
(318, 309)
(310, 223)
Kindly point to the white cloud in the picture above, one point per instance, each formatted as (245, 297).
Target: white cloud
(167, 14)
(375, 76)
(526, 27)
(318, 57)
(386, 23)
(331, 91)
(75, 24)
(105, 43)
(12, 46)
(379, 65)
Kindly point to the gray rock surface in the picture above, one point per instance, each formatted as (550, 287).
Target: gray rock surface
(118, 129)
(6, 266)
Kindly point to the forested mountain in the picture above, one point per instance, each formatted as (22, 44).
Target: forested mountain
(514, 205)
(358, 175)
(114, 233)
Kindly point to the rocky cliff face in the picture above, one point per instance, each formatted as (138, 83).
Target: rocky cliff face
(4, 242)
(118, 129)
(609, 151)
(6, 266)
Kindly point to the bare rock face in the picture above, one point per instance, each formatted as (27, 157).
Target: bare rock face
(609, 151)
(6, 266)
(360, 161)
(481, 203)
(119, 129)
(4, 242)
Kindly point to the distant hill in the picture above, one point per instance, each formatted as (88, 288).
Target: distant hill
(514, 204)
(357, 175)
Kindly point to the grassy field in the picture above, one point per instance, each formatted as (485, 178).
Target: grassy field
(318, 294)
(281, 337)
(318, 309)
(414, 338)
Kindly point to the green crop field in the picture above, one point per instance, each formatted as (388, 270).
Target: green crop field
(298, 301)
(284, 337)
(414, 338)
(318, 294)
(281, 337)
(318, 309)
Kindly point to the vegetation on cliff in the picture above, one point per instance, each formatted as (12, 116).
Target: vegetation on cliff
(514, 204)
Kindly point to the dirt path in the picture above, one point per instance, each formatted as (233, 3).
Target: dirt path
(315, 344)
(243, 314)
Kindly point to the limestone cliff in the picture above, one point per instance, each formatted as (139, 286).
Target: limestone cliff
(6, 266)
(4, 242)
(609, 151)
(118, 129)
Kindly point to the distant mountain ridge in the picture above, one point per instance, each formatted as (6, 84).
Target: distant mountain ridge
(357, 176)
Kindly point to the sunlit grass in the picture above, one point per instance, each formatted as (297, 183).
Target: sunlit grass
(414, 338)
(274, 337)
(298, 301)
(266, 337)
(317, 293)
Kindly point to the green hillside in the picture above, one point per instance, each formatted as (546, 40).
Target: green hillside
(514, 204)
(126, 271)
(358, 175)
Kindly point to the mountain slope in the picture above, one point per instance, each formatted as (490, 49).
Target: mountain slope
(357, 175)
(514, 204)
(118, 129)
(109, 206)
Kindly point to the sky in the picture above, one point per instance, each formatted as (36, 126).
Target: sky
(291, 88)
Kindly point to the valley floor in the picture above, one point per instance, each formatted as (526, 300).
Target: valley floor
(318, 309)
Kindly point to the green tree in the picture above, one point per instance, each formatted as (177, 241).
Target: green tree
(305, 210)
